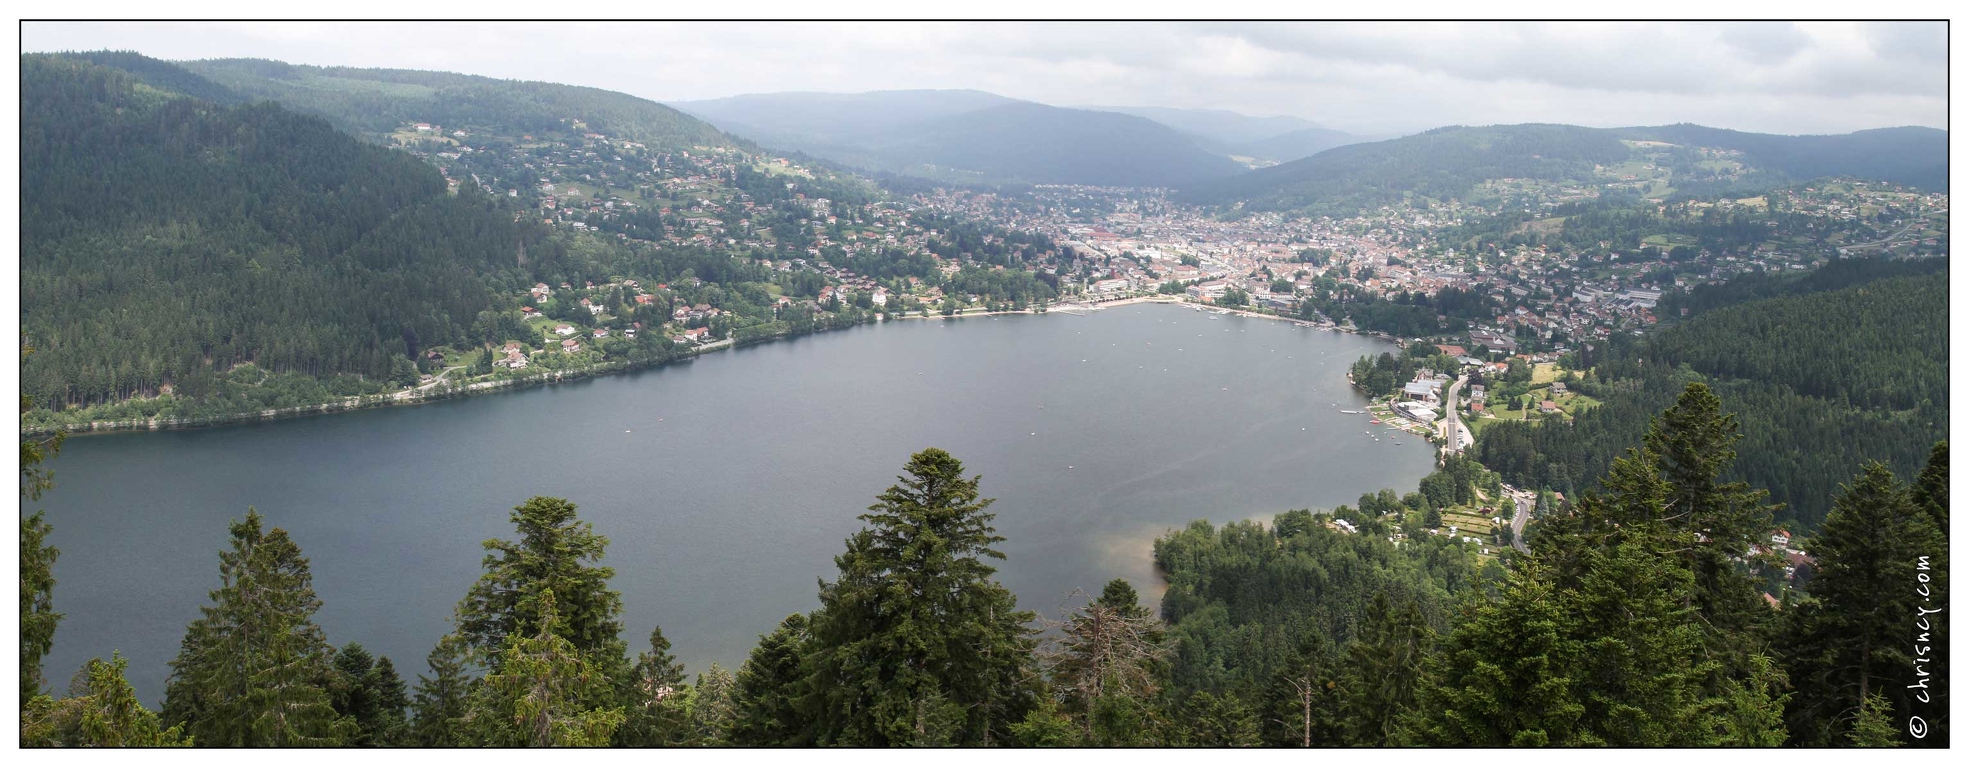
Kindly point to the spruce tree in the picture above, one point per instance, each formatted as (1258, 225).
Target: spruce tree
(1219, 721)
(555, 552)
(102, 711)
(655, 698)
(250, 670)
(391, 729)
(1849, 641)
(37, 598)
(767, 688)
(544, 692)
(443, 699)
(711, 708)
(1304, 704)
(915, 633)
(1931, 487)
(1383, 670)
(37, 559)
(1503, 677)
(1874, 726)
(1694, 443)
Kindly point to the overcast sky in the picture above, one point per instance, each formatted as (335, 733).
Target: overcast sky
(1356, 76)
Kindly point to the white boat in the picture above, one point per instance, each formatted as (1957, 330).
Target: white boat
(1352, 412)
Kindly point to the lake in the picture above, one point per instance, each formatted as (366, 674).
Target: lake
(728, 484)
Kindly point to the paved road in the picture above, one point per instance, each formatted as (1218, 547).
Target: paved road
(1524, 503)
(1456, 437)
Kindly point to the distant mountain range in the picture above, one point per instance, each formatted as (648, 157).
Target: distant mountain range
(971, 137)
(1451, 162)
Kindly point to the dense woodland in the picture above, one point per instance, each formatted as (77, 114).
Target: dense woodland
(1821, 380)
(1449, 163)
(200, 258)
(1635, 619)
(370, 101)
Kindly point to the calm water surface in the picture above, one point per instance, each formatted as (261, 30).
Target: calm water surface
(728, 484)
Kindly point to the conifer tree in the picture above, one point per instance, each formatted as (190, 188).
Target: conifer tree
(656, 695)
(1111, 653)
(544, 692)
(711, 707)
(392, 728)
(767, 688)
(37, 558)
(1874, 726)
(1931, 487)
(37, 598)
(1383, 670)
(1304, 697)
(443, 699)
(1849, 640)
(1220, 721)
(555, 552)
(250, 670)
(1694, 443)
(915, 633)
(1504, 675)
(101, 712)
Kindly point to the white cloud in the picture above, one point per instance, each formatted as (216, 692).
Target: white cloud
(1367, 77)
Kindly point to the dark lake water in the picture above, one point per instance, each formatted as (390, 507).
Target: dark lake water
(728, 484)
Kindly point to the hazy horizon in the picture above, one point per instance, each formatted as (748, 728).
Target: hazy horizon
(1363, 78)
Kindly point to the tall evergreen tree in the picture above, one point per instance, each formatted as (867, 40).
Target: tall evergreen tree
(250, 670)
(37, 558)
(37, 598)
(711, 707)
(1304, 703)
(767, 688)
(915, 633)
(1219, 721)
(444, 698)
(555, 552)
(656, 695)
(392, 728)
(1849, 640)
(1504, 675)
(102, 711)
(1384, 670)
(1694, 443)
(544, 692)
(1931, 487)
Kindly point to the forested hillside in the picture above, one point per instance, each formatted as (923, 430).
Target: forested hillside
(970, 137)
(1845, 371)
(380, 101)
(1911, 155)
(1574, 162)
(1442, 163)
(168, 239)
(1035, 143)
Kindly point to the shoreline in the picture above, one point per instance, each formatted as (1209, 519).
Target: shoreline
(438, 391)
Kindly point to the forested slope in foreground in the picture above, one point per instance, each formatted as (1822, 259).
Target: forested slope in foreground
(1825, 371)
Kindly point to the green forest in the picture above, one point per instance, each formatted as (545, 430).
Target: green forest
(1824, 372)
(194, 254)
(1449, 163)
(1635, 619)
